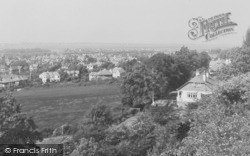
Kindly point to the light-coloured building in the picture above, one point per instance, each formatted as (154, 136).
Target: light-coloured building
(117, 72)
(90, 67)
(33, 67)
(93, 76)
(74, 73)
(44, 76)
(50, 76)
(54, 77)
(192, 91)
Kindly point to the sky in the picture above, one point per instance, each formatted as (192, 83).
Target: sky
(115, 21)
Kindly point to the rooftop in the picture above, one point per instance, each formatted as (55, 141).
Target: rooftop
(198, 83)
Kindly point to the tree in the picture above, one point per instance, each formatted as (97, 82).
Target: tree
(166, 70)
(55, 67)
(101, 115)
(92, 132)
(73, 65)
(15, 127)
(129, 65)
(63, 75)
(189, 61)
(95, 124)
(90, 59)
(21, 63)
(241, 60)
(219, 135)
(139, 87)
(226, 72)
(235, 94)
(228, 53)
(87, 147)
(220, 125)
(204, 60)
(83, 73)
(133, 139)
(164, 114)
(107, 65)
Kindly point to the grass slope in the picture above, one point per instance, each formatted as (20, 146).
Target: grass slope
(54, 107)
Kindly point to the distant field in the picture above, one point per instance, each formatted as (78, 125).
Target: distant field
(53, 107)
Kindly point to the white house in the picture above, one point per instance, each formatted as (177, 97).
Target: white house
(54, 77)
(50, 76)
(192, 91)
(90, 66)
(44, 76)
(33, 67)
(93, 76)
(117, 72)
(73, 73)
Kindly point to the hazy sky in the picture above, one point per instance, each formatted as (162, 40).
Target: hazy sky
(115, 21)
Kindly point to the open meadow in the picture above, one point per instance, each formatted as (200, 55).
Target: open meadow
(53, 107)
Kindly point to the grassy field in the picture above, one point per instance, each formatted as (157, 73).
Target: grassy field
(54, 107)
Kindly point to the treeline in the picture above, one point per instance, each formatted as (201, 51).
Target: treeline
(240, 63)
(25, 51)
(240, 58)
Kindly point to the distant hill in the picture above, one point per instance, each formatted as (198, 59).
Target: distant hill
(125, 46)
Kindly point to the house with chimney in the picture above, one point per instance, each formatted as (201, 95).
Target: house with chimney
(195, 88)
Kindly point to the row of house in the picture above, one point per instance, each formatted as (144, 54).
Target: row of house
(103, 74)
(73, 73)
(55, 76)
(106, 74)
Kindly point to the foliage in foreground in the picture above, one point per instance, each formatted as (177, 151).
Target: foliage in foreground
(15, 127)
(221, 124)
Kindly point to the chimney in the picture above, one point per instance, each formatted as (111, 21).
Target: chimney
(197, 72)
